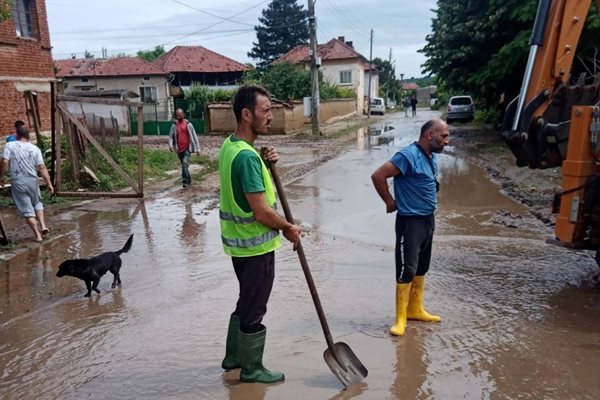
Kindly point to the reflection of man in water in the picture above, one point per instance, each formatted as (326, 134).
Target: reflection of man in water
(190, 229)
(414, 170)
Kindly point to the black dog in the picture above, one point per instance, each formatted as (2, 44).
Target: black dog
(91, 270)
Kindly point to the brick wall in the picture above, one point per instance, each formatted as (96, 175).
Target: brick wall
(25, 64)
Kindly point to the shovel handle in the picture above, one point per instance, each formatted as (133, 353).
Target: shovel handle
(302, 257)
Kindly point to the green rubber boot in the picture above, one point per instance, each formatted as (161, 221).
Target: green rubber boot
(251, 347)
(232, 360)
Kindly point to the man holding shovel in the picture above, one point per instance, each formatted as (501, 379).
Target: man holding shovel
(250, 232)
(414, 170)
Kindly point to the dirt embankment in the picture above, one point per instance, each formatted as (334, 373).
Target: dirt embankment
(485, 148)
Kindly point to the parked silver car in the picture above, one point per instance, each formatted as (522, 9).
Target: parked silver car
(460, 108)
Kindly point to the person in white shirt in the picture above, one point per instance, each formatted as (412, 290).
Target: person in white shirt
(24, 160)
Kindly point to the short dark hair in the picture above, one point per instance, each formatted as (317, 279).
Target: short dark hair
(432, 123)
(22, 132)
(245, 97)
(19, 123)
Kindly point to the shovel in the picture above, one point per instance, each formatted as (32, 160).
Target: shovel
(339, 356)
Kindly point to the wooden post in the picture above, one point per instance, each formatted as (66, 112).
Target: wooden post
(33, 114)
(58, 156)
(140, 132)
(71, 145)
(52, 132)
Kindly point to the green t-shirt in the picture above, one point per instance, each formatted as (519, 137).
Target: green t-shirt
(246, 175)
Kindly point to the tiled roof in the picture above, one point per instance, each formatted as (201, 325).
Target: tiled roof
(410, 86)
(122, 66)
(197, 59)
(335, 49)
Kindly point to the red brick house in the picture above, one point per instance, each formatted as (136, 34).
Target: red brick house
(25, 64)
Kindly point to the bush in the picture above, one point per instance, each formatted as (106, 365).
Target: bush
(199, 95)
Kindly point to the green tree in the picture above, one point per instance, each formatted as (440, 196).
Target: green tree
(151, 55)
(283, 26)
(387, 76)
(87, 54)
(481, 48)
(5, 9)
(287, 81)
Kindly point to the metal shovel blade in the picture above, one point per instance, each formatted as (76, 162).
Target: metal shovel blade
(344, 364)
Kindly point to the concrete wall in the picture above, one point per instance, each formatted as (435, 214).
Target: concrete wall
(132, 83)
(287, 118)
(25, 64)
(424, 94)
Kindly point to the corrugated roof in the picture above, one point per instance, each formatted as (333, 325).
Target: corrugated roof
(197, 59)
(122, 66)
(335, 49)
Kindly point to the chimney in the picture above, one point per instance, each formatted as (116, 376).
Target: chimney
(350, 44)
(341, 39)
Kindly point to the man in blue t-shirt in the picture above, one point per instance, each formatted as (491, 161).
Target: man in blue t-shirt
(414, 170)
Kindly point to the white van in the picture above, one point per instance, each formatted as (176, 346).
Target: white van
(377, 105)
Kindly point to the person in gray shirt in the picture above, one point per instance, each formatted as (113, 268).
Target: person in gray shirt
(24, 161)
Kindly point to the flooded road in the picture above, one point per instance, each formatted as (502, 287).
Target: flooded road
(520, 318)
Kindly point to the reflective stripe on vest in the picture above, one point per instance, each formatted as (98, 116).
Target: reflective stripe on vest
(253, 242)
(242, 235)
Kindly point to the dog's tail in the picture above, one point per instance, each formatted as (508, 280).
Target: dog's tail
(127, 246)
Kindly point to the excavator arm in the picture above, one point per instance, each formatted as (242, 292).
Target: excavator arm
(554, 122)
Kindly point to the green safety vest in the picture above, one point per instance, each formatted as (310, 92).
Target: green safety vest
(241, 234)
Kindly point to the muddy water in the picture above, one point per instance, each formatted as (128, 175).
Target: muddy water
(521, 319)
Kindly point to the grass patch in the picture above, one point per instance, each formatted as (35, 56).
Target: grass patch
(157, 164)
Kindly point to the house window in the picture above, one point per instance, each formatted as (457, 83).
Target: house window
(25, 18)
(146, 78)
(84, 79)
(149, 94)
(345, 77)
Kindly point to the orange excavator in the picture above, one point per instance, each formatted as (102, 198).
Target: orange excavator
(555, 121)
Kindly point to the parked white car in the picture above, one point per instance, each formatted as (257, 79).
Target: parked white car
(377, 105)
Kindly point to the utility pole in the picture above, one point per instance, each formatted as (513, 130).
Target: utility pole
(370, 77)
(387, 84)
(314, 67)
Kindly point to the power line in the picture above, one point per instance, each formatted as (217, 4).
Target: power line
(81, 39)
(214, 15)
(115, 51)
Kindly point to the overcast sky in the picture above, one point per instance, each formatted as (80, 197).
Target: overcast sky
(226, 26)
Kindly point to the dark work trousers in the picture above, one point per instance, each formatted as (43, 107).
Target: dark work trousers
(414, 236)
(255, 275)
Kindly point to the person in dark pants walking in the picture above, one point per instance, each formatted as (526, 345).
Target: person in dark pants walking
(414, 170)
(413, 105)
(250, 232)
(184, 141)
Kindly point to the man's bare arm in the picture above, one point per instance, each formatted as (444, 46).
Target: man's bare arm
(379, 178)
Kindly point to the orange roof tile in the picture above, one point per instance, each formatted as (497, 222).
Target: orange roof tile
(122, 66)
(410, 86)
(197, 59)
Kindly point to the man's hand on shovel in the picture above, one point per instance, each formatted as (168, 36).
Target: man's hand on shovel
(290, 231)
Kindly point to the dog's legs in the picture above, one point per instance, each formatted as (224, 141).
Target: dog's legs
(88, 284)
(95, 285)
(117, 276)
(116, 280)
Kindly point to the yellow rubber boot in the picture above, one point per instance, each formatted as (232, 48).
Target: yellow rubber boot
(402, 295)
(415, 310)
